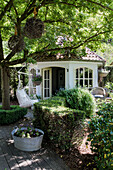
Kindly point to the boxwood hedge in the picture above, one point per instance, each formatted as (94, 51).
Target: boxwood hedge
(12, 115)
(57, 121)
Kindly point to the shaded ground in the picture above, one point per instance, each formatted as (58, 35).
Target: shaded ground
(79, 157)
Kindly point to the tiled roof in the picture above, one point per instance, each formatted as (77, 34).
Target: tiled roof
(90, 56)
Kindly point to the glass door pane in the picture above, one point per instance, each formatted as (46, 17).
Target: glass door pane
(46, 83)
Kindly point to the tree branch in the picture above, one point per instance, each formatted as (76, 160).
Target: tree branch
(90, 39)
(28, 11)
(96, 3)
(11, 63)
(45, 50)
(59, 20)
(70, 48)
(12, 53)
(66, 3)
(6, 8)
(15, 11)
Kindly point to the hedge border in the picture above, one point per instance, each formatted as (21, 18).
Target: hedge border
(12, 115)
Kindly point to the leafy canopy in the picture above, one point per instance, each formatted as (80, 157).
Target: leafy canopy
(86, 22)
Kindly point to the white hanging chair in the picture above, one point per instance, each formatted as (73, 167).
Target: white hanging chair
(23, 99)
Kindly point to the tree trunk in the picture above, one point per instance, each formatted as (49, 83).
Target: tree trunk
(5, 88)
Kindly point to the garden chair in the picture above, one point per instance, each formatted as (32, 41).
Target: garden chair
(98, 92)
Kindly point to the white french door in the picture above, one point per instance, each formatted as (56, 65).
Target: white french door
(47, 81)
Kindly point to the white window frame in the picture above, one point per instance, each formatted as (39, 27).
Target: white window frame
(84, 78)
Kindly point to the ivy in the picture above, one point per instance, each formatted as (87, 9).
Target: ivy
(101, 136)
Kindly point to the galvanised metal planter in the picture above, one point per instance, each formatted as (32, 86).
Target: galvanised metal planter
(27, 144)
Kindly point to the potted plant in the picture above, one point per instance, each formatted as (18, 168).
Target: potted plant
(103, 72)
(27, 138)
(37, 79)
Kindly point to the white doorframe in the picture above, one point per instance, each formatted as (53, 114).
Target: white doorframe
(47, 83)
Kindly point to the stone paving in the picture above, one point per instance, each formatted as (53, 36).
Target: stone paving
(14, 159)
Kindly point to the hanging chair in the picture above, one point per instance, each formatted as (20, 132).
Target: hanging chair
(23, 98)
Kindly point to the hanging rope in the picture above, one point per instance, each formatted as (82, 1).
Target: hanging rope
(23, 99)
(15, 30)
(35, 12)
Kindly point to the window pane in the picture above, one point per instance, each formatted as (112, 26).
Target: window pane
(48, 74)
(90, 83)
(77, 83)
(44, 74)
(81, 83)
(44, 83)
(76, 73)
(90, 73)
(86, 72)
(86, 83)
(48, 93)
(81, 72)
(48, 83)
(44, 92)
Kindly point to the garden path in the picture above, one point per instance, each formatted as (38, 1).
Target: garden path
(14, 159)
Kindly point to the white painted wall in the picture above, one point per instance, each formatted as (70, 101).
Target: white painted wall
(70, 67)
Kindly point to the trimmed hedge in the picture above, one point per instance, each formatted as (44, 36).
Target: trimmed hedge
(53, 102)
(57, 121)
(79, 99)
(11, 116)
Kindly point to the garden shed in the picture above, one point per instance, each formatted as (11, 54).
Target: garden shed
(66, 71)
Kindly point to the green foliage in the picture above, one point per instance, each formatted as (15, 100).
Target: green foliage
(101, 136)
(106, 51)
(79, 99)
(109, 86)
(86, 22)
(57, 121)
(11, 116)
(53, 102)
(36, 78)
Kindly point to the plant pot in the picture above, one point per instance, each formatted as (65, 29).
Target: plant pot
(27, 144)
(103, 73)
(36, 83)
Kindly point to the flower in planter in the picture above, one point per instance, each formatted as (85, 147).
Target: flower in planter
(36, 78)
(27, 132)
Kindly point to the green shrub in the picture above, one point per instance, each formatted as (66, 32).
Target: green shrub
(11, 116)
(79, 99)
(57, 121)
(53, 102)
(109, 86)
(101, 136)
